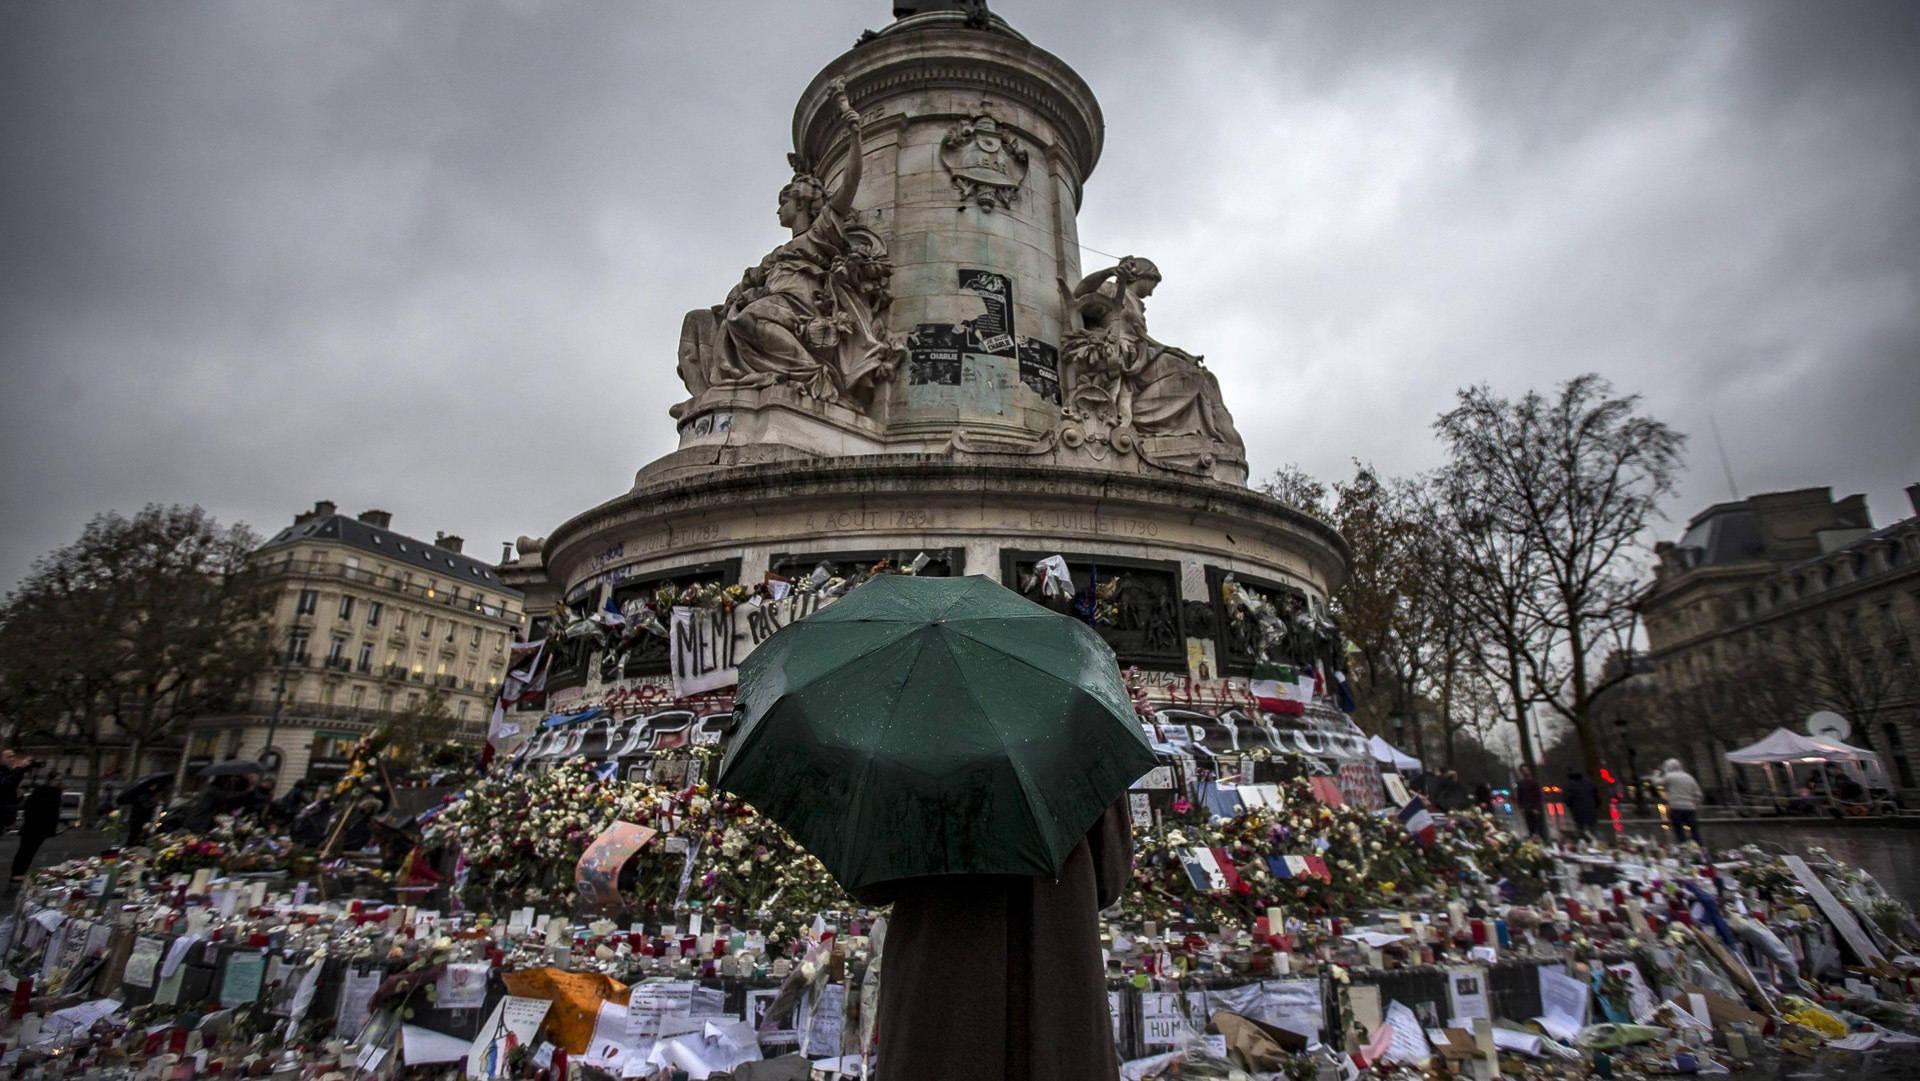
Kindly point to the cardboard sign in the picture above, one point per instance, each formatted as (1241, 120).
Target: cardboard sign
(707, 645)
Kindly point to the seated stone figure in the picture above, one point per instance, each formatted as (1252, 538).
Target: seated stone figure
(1118, 368)
(810, 315)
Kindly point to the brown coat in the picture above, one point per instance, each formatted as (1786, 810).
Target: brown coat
(999, 978)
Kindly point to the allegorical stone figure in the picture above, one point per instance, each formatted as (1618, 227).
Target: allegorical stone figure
(810, 314)
(1156, 388)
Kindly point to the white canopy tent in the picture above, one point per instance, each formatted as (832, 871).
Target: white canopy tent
(1791, 749)
(1387, 755)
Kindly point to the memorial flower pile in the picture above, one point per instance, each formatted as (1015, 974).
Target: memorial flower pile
(522, 836)
(1343, 859)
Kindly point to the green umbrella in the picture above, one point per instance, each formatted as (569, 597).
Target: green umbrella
(931, 726)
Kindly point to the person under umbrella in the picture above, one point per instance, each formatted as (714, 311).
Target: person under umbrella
(949, 747)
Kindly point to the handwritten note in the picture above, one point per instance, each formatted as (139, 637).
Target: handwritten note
(144, 961)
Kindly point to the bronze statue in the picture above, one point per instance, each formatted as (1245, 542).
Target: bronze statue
(810, 315)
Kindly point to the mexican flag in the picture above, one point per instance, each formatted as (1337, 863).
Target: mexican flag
(1281, 688)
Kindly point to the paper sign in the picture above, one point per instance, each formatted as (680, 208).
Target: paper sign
(1363, 1003)
(1409, 1045)
(1467, 994)
(512, 1015)
(611, 1043)
(356, 992)
(1160, 1018)
(1140, 808)
(598, 871)
(829, 1012)
(144, 961)
(655, 1000)
(241, 981)
(422, 1046)
(463, 986)
(1563, 1004)
(1397, 793)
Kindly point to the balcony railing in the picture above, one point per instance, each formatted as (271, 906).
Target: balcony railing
(338, 664)
(394, 671)
(452, 598)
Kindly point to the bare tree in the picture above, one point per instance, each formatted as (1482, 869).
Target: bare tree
(110, 641)
(1379, 604)
(1501, 573)
(1577, 478)
(1297, 488)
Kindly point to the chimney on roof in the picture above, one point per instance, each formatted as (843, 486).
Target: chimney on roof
(378, 519)
(448, 541)
(322, 508)
(1913, 496)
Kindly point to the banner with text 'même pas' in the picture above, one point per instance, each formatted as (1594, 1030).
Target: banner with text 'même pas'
(708, 644)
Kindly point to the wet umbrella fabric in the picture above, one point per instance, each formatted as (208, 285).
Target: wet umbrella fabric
(232, 767)
(150, 781)
(927, 726)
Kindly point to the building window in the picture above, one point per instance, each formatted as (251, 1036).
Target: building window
(462, 712)
(332, 747)
(326, 695)
(359, 698)
(309, 601)
(337, 653)
(400, 621)
(373, 613)
(204, 745)
(346, 607)
(450, 629)
(476, 638)
(419, 663)
(366, 657)
(426, 627)
(1897, 751)
(316, 561)
(386, 701)
(297, 647)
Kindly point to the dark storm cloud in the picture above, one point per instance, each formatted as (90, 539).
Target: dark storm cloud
(432, 256)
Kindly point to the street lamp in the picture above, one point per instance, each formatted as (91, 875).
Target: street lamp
(1633, 764)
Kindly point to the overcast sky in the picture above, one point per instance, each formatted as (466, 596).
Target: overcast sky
(432, 257)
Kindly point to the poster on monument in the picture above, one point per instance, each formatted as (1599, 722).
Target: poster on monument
(599, 867)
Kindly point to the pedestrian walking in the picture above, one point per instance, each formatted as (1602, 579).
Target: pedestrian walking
(13, 771)
(1683, 800)
(39, 820)
(1532, 803)
(1583, 803)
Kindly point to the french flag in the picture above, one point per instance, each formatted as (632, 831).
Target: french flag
(1418, 821)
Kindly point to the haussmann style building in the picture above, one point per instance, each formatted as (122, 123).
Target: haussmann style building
(369, 622)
